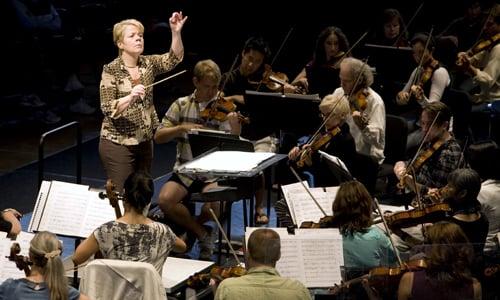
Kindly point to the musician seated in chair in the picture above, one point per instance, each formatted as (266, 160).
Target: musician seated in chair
(439, 155)
(448, 274)
(133, 236)
(335, 140)
(262, 281)
(183, 115)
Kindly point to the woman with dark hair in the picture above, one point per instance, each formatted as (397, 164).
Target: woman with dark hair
(47, 279)
(365, 245)
(447, 275)
(134, 236)
(321, 74)
(392, 30)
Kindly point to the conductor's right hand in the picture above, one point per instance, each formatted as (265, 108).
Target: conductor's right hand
(138, 91)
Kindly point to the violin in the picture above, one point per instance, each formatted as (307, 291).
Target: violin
(219, 109)
(420, 159)
(484, 45)
(358, 101)
(305, 156)
(201, 280)
(428, 214)
(274, 81)
(430, 66)
(383, 277)
(324, 222)
(113, 197)
(22, 262)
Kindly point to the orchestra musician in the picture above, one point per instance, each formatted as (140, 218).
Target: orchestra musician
(482, 61)
(440, 153)
(447, 274)
(46, 279)
(183, 115)
(134, 236)
(334, 111)
(391, 30)
(321, 75)
(367, 120)
(427, 83)
(262, 281)
(130, 119)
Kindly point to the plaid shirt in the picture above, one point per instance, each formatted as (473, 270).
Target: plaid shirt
(138, 122)
(187, 110)
(434, 172)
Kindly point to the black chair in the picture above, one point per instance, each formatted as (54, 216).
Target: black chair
(396, 134)
(460, 106)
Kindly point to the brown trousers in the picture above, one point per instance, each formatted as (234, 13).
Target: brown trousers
(120, 161)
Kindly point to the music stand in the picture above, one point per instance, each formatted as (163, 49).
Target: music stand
(202, 141)
(271, 112)
(391, 63)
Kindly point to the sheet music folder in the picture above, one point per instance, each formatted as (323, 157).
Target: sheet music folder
(390, 62)
(272, 112)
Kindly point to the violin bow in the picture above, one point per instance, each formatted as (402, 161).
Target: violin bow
(323, 123)
(165, 79)
(277, 53)
(388, 232)
(407, 25)
(423, 140)
(350, 49)
(307, 190)
(419, 72)
(490, 13)
(225, 236)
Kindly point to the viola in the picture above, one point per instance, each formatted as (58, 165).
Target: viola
(219, 109)
(305, 156)
(113, 197)
(201, 280)
(22, 262)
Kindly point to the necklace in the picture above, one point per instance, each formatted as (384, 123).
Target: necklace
(130, 66)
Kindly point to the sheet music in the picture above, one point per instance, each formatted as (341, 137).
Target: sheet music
(71, 210)
(303, 208)
(312, 256)
(177, 270)
(335, 160)
(228, 161)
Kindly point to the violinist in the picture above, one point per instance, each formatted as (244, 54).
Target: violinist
(185, 114)
(321, 74)
(448, 272)
(391, 30)
(262, 281)
(134, 236)
(367, 119)
(334, 111)
(46, 278)
(440, 153)
(427, 83)
(482, 61)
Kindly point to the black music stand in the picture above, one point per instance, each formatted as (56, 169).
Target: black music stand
(202, 141)
(394, 63)
(271, 112)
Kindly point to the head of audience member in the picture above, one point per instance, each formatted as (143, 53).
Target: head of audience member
(352, 208)
(206, 79)
(492, 25)
(264, 248)
(393, 24)
(128, 36)
(354, 75)
(439, 114)
(450, 255)
(330, 44)
(484, 158)
(139, 190)
(334, 110)
(462, 190)
(45, 254)
(418, 45)
(255, 54)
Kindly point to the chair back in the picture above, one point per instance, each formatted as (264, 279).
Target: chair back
(118, 279)
(396, 134)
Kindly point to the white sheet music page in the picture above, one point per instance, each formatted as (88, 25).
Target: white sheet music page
(336, 160)
(312, 256)
(288, 191)
(99, 211)
(303, 208)
(228, 161)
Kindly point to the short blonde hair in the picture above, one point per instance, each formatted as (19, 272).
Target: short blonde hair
(119, 29)
(207, 69)
(338, 103)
